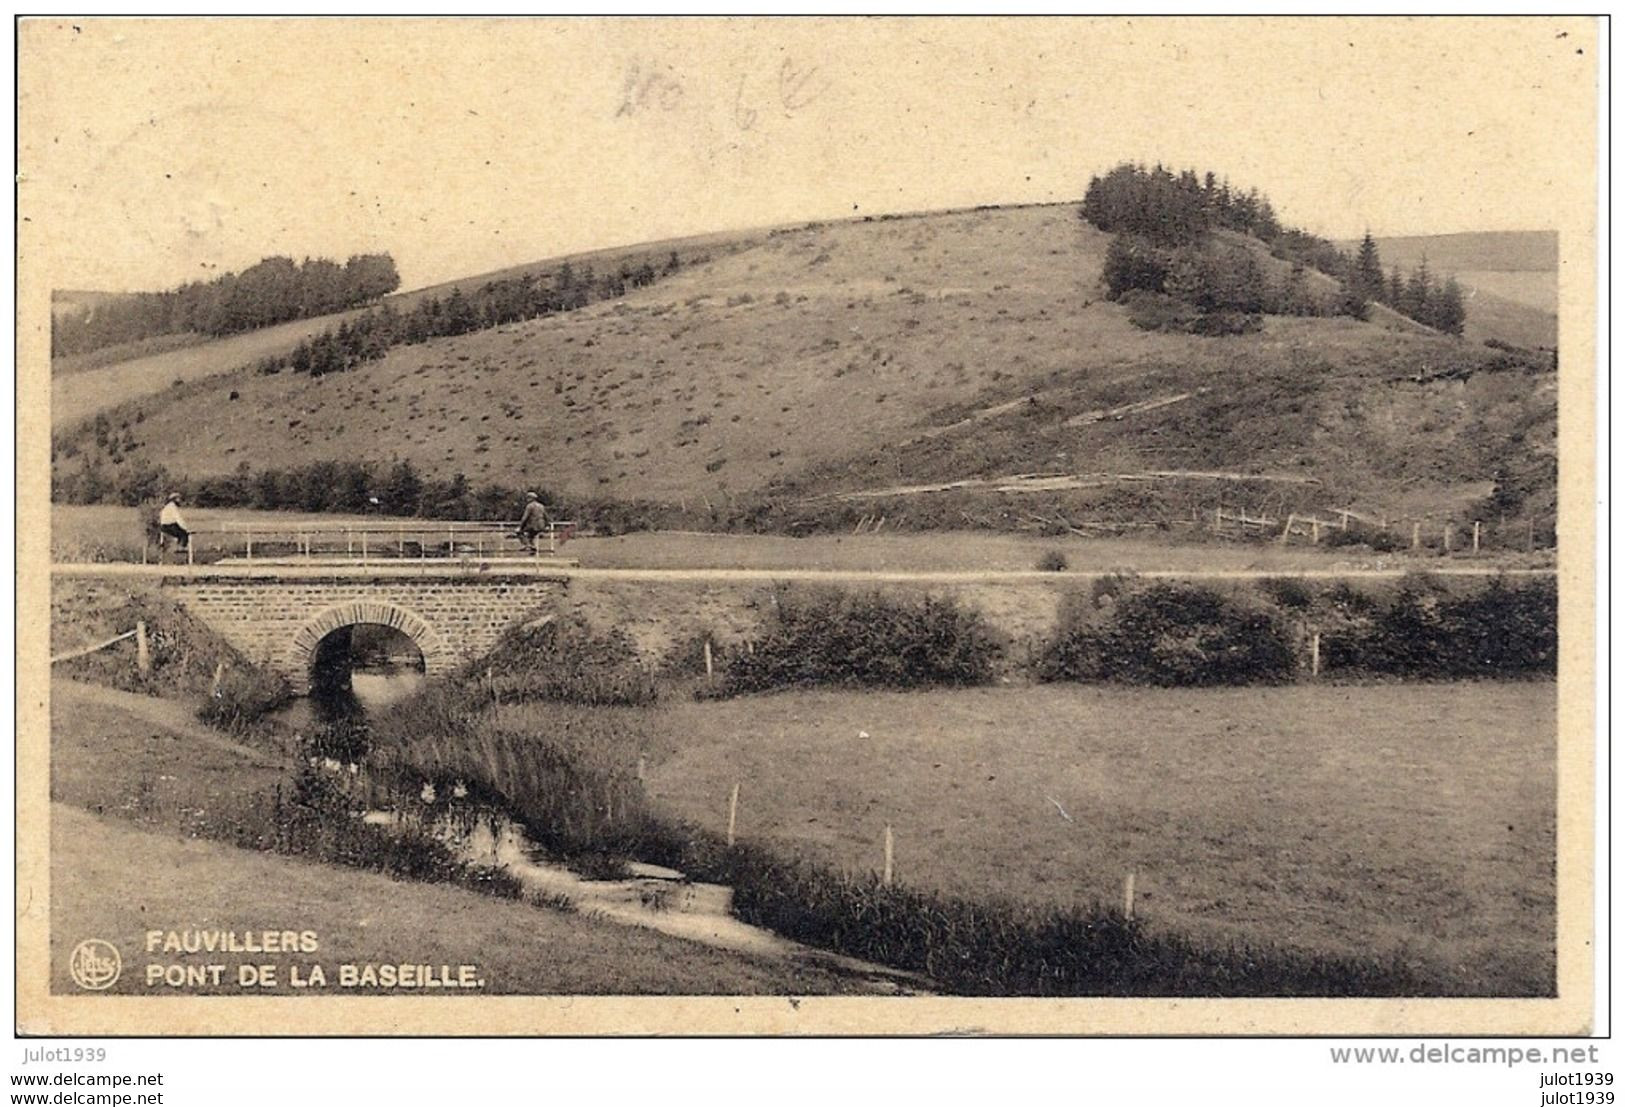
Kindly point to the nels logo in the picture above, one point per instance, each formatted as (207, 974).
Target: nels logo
(95, 965)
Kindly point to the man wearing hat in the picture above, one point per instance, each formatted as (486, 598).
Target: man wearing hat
(532, 522)
(171, 523)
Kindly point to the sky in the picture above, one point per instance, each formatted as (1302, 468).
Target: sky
(157, 152)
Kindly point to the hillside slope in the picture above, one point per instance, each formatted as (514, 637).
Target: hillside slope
(83, 385)
(872, 353)
(804, 348)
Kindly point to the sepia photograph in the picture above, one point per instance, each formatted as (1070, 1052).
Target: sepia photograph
(813, 526)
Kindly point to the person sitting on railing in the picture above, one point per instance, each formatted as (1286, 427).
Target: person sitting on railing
(532, 522)
(171, 523)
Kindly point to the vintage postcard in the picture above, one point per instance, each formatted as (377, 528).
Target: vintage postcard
(611, 526)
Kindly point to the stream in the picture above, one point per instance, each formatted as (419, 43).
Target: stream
(369, 689)
(650, 896)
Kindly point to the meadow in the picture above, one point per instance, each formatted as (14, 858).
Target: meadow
(1405, 821)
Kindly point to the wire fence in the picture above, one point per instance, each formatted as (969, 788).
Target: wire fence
(1349, 527)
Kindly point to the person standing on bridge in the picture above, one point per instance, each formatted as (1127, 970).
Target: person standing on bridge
(532, 521)
(172, 524)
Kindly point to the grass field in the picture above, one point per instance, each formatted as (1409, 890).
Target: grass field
(131, 776)
(1413, 821)
(1416, 819)
(111, 880)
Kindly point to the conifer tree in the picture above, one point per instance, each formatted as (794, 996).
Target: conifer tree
(1418, 293)
(1267, 226)
(1449, 313)
(1367, 274)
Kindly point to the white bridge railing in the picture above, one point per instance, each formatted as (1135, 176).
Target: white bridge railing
(384, 540)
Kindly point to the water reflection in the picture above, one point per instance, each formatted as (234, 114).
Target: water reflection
(359, 692)
(357, 670)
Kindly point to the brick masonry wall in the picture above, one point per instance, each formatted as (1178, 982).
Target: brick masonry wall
(279, 623)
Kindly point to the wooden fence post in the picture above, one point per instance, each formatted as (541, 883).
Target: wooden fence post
(1314, 654)
(143, 659)
(886, 872)
(1447, 530)
(708, 670)
(733, 812)
(1475, 536)
(1416, 536)
(1128, 895)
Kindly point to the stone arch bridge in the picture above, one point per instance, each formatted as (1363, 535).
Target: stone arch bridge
(278, 615)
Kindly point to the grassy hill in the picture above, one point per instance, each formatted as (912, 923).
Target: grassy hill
(870, 354)
(83, 385)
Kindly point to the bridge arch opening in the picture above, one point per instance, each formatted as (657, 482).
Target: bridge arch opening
(387, 640)
(361, 667)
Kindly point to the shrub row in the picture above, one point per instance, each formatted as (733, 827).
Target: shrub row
(864, 639)
(1162, 633)
(1172, 635)
(566, 661)
(1502, 630)
(1191, 636)
(995, 948)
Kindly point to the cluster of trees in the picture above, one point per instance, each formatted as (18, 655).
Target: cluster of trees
(1216, 278)
(274, 291)
(1310, 251)
(1162, 222)
(1418, 295)
(1175, 209)
(356, 487)
(508, 300)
